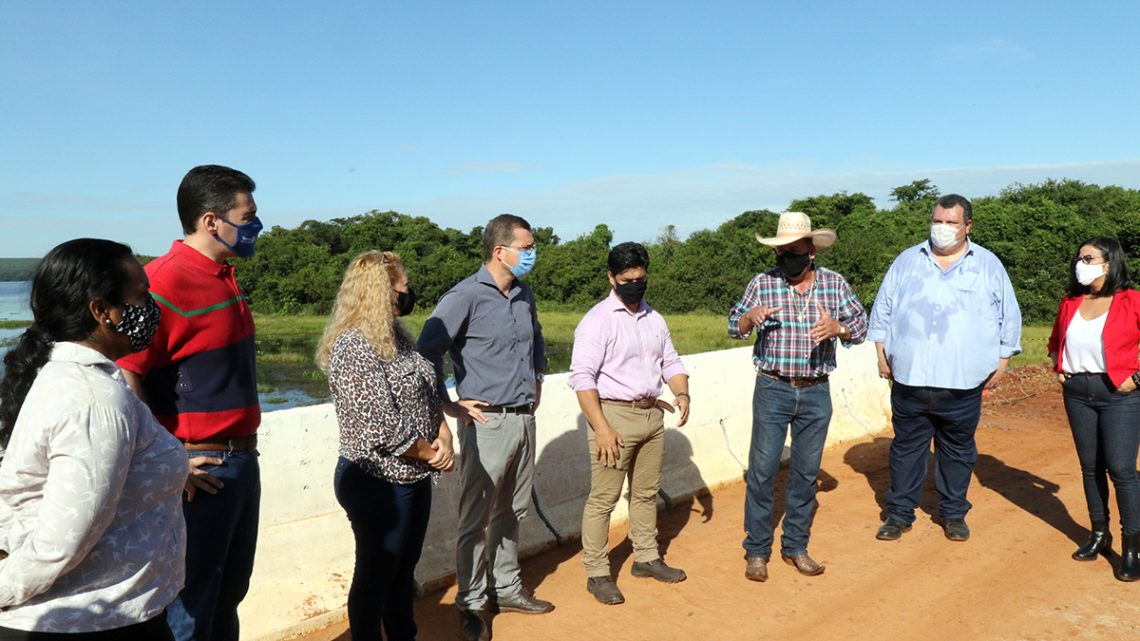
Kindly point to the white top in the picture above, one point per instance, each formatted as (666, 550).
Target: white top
(90, 503)
(1084, 348)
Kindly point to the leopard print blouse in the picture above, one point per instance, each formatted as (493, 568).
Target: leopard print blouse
(383, 407)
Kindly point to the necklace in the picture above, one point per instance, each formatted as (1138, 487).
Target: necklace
(806, 305)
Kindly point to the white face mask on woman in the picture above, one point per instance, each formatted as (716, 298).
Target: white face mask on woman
(943, 236)
(1086, 274)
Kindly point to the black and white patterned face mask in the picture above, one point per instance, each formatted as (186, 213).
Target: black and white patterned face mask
(140, 322)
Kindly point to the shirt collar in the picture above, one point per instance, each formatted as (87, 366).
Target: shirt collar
(198, 260)
(484, 276)
(617, 305)
(68, 352)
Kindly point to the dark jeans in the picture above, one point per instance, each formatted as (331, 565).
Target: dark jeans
(950, 417)
(153, 630)
(221, 537)
(775, 406)
(1106, 430)
(389, 522)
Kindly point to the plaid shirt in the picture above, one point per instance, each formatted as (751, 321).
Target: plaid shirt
(783, 342)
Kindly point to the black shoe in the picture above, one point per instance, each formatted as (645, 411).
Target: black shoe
(1100, 542)
(1129, 569)
(891, 530)
(523, 602)
(956, 529)
(658, 569)
(604, 590)
(472, 626)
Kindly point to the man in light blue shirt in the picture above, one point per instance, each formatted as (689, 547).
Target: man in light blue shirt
(945, 323)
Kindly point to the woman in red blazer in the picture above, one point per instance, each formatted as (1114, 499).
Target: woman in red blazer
(1094, 347)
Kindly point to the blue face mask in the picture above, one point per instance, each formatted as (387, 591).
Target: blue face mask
(246, 241)
(525, 264)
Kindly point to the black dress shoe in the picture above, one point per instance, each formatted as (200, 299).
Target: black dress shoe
(892, 530)
(956, 529)
(1129, 569)
(604, 590)
(658, 569)
(1100, 542)
(523, 602)
(472, 626)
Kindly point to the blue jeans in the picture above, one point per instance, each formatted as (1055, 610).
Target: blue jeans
(950, 417)
(221, 538)
(775, 406)
(389, 522)
(1106, 431)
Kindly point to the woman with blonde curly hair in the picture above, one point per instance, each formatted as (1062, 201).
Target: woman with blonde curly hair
(393, 440)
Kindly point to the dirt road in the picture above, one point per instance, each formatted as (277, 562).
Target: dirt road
(1013, 580)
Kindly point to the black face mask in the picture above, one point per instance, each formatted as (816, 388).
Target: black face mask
(406, 301)
(631, 292)
(793, 264)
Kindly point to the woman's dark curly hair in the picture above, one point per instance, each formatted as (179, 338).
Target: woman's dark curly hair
(66, 281)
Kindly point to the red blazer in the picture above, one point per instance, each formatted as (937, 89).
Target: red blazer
(1121, 334)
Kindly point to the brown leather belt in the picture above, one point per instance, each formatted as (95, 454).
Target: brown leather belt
(497, 409)
(640, 404)
(235, 444)
(796, 381)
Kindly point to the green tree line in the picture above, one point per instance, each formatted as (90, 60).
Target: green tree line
(1034, 230)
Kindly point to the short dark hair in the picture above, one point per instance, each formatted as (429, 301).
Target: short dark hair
(501, 231)
(1117, 277)
(210, 188)
(66, 281)
(627, 256)
(950, 201)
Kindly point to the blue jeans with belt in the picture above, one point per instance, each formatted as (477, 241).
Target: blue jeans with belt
(221, 538)
(389, 522)
(950, 418)
(776, 407)
(1106, 431)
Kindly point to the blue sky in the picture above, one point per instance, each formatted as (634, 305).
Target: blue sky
(635, 114)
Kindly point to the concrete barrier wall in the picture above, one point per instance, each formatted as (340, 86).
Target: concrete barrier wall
(305, 551)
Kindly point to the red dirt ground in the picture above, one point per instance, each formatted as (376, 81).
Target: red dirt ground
(1012, 581)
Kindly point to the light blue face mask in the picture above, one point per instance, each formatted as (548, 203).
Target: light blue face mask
(525, 264)
(246, 241)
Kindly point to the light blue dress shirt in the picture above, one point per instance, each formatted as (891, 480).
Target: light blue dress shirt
(946, 329)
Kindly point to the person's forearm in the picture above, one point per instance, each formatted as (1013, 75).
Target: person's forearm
(591, 405)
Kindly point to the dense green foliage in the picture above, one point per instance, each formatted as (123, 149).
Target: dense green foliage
(18, 268)
(1034, 229)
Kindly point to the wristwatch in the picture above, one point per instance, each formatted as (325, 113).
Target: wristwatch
(538, 376)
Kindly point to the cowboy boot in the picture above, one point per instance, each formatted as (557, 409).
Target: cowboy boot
(1100, 542)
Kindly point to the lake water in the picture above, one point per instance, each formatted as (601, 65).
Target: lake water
(14, 301)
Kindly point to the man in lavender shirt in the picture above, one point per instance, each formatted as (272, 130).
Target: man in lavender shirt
(622, 354)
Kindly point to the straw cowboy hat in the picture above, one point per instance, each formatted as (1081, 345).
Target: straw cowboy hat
(795, 225)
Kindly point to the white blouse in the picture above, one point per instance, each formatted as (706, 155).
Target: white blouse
(1084, 347)
(90, 503)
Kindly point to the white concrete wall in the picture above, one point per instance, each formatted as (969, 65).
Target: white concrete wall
(305, 550)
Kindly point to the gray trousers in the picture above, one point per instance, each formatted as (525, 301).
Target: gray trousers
(496, 474)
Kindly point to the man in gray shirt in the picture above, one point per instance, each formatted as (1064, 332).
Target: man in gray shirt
(489, 326)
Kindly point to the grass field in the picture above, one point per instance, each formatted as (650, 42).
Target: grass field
(285, 345)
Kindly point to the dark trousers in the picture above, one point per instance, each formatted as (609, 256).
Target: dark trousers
(1106, 431)
(776, 408)
(389, 522)
(950, 418)
(221, 538)
(153, 630)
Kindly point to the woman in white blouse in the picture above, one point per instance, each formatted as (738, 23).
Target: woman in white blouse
(393, 440)
(1095, 347)
(90, 484)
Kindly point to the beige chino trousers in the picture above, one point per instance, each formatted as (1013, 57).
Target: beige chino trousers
(639, 459)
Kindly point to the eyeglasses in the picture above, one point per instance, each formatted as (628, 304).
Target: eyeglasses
(1089, 258)
(525, 248)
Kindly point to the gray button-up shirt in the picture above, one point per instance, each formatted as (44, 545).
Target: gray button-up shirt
(495, 341)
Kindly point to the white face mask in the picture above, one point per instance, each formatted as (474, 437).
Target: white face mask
(943, 236)
(1086, 274)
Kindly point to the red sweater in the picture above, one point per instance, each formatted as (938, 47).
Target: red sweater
(1121, 336)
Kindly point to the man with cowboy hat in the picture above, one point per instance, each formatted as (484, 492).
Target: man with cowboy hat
(797, 310)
